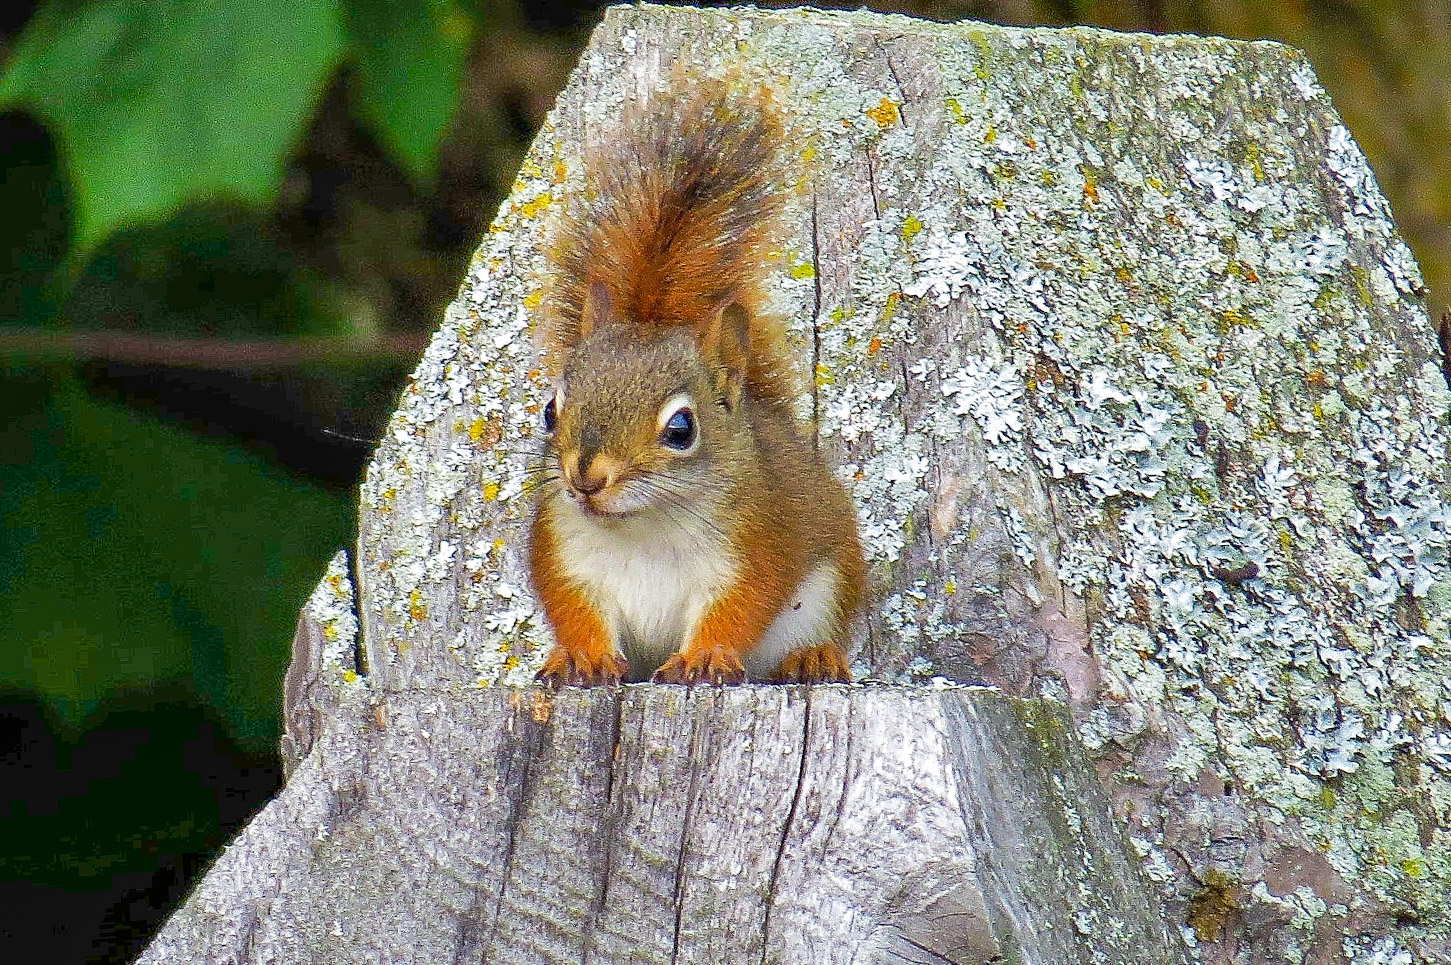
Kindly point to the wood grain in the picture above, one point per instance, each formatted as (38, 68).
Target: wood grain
(658, 824)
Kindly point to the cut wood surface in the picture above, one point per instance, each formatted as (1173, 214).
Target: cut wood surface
(656, 824)
(1117, 344)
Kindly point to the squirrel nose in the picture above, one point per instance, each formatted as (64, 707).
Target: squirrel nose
(590, 485)
(592, 477)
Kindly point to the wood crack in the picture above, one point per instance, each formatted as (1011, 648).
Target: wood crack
(528, 745)
(901, 91)
(610, 826)
(691, 795)
(815, 329)
(786, 828)
(872, 186)
(360, 651)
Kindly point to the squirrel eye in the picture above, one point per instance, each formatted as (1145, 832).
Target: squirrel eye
(679, 431)
(551, 415)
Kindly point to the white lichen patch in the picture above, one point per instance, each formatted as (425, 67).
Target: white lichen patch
(331, 607)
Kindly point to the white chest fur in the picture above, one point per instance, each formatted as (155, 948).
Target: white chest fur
(652, 577)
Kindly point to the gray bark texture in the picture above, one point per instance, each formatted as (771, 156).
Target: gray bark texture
(654, 824)
(1130, 372)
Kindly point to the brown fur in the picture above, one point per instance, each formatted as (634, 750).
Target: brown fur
(675, 222)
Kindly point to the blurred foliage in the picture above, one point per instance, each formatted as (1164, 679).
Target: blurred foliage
(121, 569)
(239, 169)
(258, 169)
(104, 828)
(157, 103)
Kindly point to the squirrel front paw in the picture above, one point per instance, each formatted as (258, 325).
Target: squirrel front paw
(821, 664)
(717, 665)
(565, 668)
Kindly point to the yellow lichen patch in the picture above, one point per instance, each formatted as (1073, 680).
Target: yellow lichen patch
(491, 491)
(1090, 188)
(808, 153)
(330, 631)
(350, 676)
(417, 609)
(911, 228)
(950, 587)
(536, 204)
(991, 135)
(984, 53)
(533, 299)
(1214, 906)
(886, 114)
(560, 172)
(824, 376)
(889, 310)
(804, 270)
(955, 109)
(1252, 155)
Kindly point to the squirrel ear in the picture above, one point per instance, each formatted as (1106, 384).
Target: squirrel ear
(725, 343)
(599, 309)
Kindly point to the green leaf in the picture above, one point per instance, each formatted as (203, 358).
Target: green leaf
(136, 554)
(410, 57)
(155, 103)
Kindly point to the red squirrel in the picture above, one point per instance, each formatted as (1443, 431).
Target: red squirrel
(686, 526)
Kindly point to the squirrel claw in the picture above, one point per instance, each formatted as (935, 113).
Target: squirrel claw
(566, 669)
(821, 664)
(719, 666)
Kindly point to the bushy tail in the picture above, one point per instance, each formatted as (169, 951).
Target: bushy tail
(679, 211)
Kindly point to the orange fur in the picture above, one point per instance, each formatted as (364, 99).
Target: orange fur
(675, 221)
(585, 654)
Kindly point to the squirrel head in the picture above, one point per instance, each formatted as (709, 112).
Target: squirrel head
(648, 417)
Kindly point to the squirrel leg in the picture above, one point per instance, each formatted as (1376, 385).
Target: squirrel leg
(585, 653)
(731, 626)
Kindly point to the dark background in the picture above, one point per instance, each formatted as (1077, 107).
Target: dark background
(228, 229)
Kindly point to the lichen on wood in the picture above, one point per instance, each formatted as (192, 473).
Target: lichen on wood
(1117, 344)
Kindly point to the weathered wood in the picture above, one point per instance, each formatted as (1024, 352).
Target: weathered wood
(655, 824)
(324, 662)
(1129, 369)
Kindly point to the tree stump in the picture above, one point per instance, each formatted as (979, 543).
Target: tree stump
(1131, 373)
